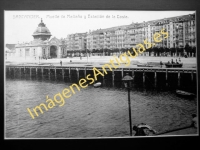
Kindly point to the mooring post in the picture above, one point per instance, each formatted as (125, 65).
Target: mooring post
(155, 78)
(179, 78)
(113, 78)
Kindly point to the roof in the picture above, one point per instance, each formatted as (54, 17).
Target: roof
(11, 46)
(144, 24)
(42, 29)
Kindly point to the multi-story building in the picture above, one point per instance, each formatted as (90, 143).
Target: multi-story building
(181, 31)
(76, 43)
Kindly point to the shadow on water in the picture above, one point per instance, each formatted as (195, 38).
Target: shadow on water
(138, 83)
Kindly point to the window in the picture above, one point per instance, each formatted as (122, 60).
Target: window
(20, 53)
(33, 52)
(27, 52)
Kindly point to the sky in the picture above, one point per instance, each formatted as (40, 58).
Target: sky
(20, 25)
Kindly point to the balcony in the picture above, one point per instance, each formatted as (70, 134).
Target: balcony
(132, 42)
(157, 29)
(101, 35)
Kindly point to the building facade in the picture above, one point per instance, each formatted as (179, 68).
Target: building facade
(76, 43)
(42, 47)
(181, 32)
(181, 29)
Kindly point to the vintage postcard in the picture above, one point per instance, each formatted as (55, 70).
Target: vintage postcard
(108, 74)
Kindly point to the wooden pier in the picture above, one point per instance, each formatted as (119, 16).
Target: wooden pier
(76, 73)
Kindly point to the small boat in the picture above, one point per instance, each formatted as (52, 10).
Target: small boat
(144, 65)
(98, 84)
(184, 93)
(169, 65)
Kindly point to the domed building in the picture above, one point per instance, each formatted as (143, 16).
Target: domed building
(42, 47)
(42, 32)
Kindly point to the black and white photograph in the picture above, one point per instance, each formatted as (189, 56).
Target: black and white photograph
(74, 74)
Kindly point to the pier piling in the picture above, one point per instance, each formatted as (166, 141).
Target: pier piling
(168, 74)
(122, 72)
(166, 77)
(77, 73)
(42, 69)
(55, 74)
(179, 78)
(192, 78)
(85, 72)
(113, 78)
(36, 71)
(143, 77)
(63, 74)
(49, 73)
(155, 78)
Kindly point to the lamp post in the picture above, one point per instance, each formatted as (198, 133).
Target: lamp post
(127, 83)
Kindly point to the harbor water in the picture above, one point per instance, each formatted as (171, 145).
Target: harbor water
(90, 112)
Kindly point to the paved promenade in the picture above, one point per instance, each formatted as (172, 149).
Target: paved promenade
(100, 60)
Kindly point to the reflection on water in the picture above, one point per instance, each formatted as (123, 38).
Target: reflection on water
(91, 112)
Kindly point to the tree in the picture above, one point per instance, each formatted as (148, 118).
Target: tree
(187, 47)
(194, 51)
(160, 50)
(172, 50)
(155, 50)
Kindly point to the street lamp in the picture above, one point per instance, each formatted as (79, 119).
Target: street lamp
(127, 83)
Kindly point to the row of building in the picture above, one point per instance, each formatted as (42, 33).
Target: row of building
(181, 31)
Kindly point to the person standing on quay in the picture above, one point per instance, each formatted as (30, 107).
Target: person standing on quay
(61, 63)
(161, 64)
(172, 61)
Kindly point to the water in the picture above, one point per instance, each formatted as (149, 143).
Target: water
(90, 112)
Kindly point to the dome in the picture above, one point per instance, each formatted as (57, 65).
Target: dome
(42, 32)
